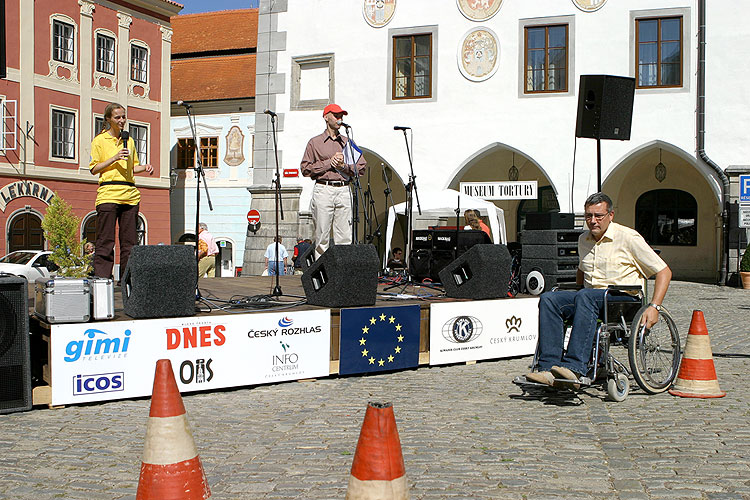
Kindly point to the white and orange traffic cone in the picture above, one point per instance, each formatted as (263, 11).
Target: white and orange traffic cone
(697, 375)
(171, 468)
(378, 468)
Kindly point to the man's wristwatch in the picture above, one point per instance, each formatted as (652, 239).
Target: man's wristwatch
(655, 306)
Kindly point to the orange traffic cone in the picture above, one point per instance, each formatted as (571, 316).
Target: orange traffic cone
(697, 375)
(378, 467)
(171, 468)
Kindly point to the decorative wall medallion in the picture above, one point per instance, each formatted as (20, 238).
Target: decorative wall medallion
(479, 10)
(378, 13)
(589, 5)
(478, 54)
(235, 140)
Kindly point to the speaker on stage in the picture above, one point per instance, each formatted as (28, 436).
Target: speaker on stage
(605, 107)
(344, 276)
(160, 281)
(15, 358)
(483, 272)
(308, 257)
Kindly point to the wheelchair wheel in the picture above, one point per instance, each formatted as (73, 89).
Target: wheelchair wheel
(618, 387)
(654, 353)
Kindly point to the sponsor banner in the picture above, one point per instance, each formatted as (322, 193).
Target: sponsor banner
(376, 339)
(483, 329)
(116, 360)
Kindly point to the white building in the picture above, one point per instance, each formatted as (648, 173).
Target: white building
(488, 85)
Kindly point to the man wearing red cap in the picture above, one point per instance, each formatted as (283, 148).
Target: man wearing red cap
(323, 161)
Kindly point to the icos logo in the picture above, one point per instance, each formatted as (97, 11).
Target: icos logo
(462, 329)
(286, 322)
(513, 324)
(199, 371)
(97, 345)
(95, 384)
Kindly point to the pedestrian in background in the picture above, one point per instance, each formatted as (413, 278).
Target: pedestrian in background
(276, 262)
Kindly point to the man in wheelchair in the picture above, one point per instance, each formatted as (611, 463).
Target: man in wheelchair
(609, 254)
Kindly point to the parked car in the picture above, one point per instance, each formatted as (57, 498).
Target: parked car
(31, 264)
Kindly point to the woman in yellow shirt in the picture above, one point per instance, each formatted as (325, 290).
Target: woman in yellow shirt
(117, 199)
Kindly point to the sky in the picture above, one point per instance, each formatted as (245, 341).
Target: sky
(195, 6)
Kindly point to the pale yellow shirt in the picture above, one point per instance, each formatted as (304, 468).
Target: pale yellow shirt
(103, 147)
(620, 257)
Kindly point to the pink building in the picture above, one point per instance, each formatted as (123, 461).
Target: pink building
(65, 61)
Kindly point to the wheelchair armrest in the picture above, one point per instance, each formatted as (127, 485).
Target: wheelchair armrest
(625, 288)
(567, 286)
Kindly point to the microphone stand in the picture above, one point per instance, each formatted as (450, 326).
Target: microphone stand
(458, 211)
(357, 191)
(388, 196)
(199, 174)
(279, 209)
(371, 213)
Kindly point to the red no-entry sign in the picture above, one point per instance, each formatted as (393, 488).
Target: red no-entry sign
(253, 216)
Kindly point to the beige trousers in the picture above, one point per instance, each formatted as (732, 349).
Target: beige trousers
(207, 266)
(331, 209)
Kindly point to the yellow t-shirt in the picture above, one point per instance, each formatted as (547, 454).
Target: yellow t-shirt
(103, 147)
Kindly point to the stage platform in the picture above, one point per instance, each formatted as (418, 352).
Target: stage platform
(462, 330)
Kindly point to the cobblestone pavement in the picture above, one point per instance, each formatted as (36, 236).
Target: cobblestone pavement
(467, 433)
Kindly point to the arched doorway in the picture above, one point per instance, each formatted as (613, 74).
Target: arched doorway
(667, 217)
(25, 232)
(225, 258)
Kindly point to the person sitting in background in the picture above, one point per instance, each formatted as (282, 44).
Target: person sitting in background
(276, 262)
(300, 248)
(397, 260)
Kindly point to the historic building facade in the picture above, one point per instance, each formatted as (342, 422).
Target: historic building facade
(490, 90)
(66, 60)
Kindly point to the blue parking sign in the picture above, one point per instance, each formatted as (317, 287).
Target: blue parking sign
(744, 188)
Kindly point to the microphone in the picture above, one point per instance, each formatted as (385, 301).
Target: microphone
(183, 103)
(345, 125)
(269, 112)
(401, 128)
(124, 135)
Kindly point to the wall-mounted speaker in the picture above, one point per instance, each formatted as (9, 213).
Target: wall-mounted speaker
(605, 107)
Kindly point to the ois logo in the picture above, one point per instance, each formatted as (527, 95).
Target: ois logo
(101, 382)
(513, 324)
(97, 345)
(199, 371)
(195, 336)
(462, 329)
(286, 361)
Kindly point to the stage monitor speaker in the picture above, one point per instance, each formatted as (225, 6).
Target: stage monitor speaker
(344, 276)
(160, 281)
(483, 272)
(15, 357)
(307, 257)
(605, 107)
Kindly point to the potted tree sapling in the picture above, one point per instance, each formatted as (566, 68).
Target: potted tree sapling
(60, 227)
(745, 268)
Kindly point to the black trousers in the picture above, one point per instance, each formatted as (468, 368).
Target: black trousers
(108, 217)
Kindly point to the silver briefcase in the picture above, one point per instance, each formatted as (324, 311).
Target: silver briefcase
(63, 300)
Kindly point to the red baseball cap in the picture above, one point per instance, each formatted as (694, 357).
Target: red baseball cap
(333, 108)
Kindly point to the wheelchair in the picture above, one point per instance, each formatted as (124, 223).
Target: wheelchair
(653, 353)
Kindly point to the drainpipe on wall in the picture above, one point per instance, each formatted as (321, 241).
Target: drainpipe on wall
(701, 140)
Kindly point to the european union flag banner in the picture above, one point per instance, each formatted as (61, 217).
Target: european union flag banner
(376, 339)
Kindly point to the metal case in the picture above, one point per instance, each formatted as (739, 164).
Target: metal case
(102, 298)
(63, 300)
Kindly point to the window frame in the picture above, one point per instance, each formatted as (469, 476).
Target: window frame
(100, 34)
(394, 33)
(523, 24)
(135, 45)
(185, 150)
(656, 209)
(413, 63)
(659, 63)
(54, 40)
(143, 155)
(97, 119)
(546, 49)
(209, 151)
(74, 114)
(299, 64)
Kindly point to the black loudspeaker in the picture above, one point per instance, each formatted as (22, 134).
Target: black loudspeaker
(15, 360)
(549, 220)
(605, 107)
(160, 281)
(308, 257)
(483, 272)
(344, 276)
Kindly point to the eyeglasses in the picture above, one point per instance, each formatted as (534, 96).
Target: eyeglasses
(598, 217)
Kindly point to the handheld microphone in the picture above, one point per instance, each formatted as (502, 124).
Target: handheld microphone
(124, 135)
(401, 128)
(183, 103)
(269, 112)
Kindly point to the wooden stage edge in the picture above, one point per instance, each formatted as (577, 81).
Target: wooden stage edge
(216, 294)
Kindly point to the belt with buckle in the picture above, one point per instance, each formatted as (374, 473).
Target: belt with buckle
(332, 183)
